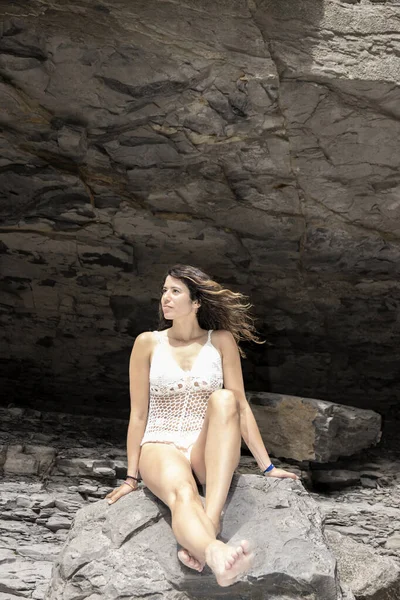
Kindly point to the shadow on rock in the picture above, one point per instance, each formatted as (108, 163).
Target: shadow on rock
(128, 549)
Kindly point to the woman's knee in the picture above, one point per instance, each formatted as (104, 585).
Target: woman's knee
(225, 403)
(183, 492)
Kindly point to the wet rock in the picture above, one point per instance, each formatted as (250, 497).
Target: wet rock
(312, 429)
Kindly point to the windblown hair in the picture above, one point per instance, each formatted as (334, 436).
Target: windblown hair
(220, 308)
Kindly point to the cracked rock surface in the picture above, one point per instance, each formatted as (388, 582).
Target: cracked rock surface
(257, 139)
(38, 505)
(129, 548)
(311, 429)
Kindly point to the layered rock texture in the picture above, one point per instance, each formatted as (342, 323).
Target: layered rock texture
(39, 500)
(257, 139)
(368, 575)
(128, 549)
(300, 429)
(311, 429)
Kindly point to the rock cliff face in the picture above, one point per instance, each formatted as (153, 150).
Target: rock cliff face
(257, 139)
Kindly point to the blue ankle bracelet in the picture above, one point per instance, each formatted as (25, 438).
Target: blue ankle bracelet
(268, 469)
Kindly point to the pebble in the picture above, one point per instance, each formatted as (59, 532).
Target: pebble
(23, 501)
(58, 521)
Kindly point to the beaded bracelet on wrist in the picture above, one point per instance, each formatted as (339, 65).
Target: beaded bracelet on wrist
(130, 485)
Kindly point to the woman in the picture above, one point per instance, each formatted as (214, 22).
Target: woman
(189, 412)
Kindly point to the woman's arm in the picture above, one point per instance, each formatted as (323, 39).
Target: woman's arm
(139, 368)
(233, 380)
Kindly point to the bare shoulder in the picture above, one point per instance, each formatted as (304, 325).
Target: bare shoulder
(224, 336)
(144, 344)
(224, 341)
(145, 339)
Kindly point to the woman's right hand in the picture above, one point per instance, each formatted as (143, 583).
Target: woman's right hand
(120, 491)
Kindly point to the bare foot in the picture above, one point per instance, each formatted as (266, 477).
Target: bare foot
(189, 561)
(228, 563)
(281, 473)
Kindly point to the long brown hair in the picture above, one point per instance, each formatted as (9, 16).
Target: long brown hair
(220, 308)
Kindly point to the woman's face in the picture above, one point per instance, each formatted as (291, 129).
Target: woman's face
(175, 299)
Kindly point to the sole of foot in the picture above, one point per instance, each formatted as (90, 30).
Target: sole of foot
(228, 562)
(189, 561)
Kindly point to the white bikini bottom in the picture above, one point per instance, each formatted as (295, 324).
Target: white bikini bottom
(185, 451)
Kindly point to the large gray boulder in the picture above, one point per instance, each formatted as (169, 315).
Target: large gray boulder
(312, 429)
(128, 549)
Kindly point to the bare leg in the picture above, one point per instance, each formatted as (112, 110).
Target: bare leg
(214, 457)
(167, 473)
(216, 452)
(190, 561)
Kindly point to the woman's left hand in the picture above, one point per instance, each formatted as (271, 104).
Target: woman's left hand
(281, 473)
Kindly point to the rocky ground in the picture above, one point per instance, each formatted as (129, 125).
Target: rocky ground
(53, 464)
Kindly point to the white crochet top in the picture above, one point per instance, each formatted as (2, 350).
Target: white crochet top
(178, 398)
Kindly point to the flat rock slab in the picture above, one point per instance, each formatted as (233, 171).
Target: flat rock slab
(20, 577)
(128, 549)
(312, 429)
(369, 575)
